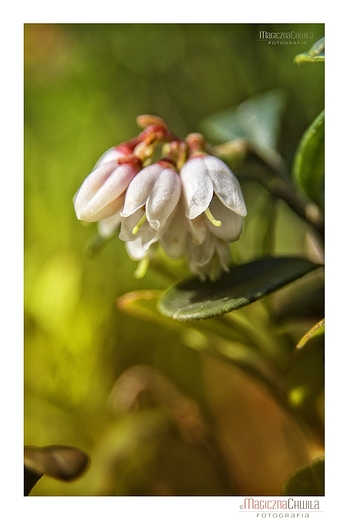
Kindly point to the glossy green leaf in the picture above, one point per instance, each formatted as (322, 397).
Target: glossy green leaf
(316, 53)
(307, 480)
(242, 285)
(308, 167)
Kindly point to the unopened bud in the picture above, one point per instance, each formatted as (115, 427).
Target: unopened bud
(146, 120)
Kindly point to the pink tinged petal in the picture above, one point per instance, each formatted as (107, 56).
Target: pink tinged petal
(139, 189)
(226, 185)
(163, 198)
(110, 155)
(93, 182)
(110, 209)
(231, 223)
(197, 186)
(107, 226)
(99, 194)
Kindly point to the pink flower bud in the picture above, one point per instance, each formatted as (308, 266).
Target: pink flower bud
(102, 192)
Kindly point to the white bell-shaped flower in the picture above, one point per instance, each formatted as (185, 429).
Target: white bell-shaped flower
(203, 176)
(149, 202)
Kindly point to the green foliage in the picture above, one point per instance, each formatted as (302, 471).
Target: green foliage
(308, 168)
(218, 397)
(257, 120)
(315, 53)
(244, 284)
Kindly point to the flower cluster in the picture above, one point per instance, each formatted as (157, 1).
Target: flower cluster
(161, 189)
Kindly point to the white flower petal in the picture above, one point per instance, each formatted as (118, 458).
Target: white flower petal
(197, 187)
(136, 250)
(102, 187)
(198, 229)
(110, 209)
(139, 189)
(217, 259)
(90, 186)
(226, 185)
(231, 223)
(128, 224)
(201, 254)
(173, 240)
(107, 226)
(224, 254)
(145, 233)
(163, 198)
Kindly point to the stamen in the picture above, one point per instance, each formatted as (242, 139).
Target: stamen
(209, 215)
(140, 271)
(138, 226)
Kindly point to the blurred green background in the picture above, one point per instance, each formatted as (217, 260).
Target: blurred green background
(84, 87)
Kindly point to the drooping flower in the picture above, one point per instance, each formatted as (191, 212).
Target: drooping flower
(149, 202)
(202, 177)
(187, 201)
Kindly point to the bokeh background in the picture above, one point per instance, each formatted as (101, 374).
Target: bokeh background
(85, 84)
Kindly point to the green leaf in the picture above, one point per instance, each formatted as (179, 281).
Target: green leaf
(307, 480)
(316, 53)
(223, 126)
(242, 285)
(257, 120)
(308, 167)
(260, 118)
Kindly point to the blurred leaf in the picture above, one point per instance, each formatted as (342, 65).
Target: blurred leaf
(308, 480)
(242, 285)
(230, 342)
(260, 118)
(141, 304)
(308, 167)
(61, 462)
(257, 120)
(305, 382)
(124, 453)
(223, 126)
(316, 53)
